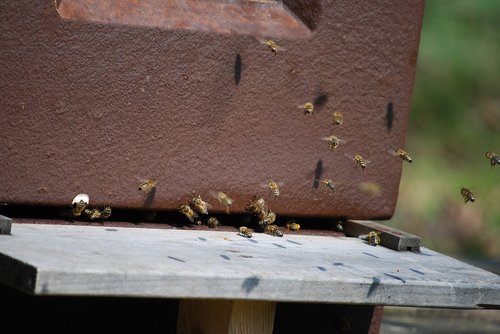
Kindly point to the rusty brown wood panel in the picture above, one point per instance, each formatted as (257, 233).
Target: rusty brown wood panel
(94, 107)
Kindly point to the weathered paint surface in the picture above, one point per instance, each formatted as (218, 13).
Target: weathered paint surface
(97, 105)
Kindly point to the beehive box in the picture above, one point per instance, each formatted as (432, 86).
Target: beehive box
(98, 95)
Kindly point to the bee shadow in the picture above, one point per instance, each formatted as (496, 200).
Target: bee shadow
(320, 101)
(318, 173)
(389, 116)
(237, 69)
(149, 198)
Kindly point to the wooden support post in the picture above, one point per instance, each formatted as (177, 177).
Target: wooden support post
(5, 224)
(225, 316)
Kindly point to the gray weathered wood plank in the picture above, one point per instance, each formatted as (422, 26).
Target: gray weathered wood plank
(79, 260)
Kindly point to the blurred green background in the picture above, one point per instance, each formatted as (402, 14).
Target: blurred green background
(455, 119)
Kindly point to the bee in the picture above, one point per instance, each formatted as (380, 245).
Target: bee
(213, 222)
(272, 45)
(200, 205)
(333, 141)
(147, 185)
(106, 212)
(402, 154)
(493, 157)
(372, 238)
(329, 184)
(99, 214)
(256, 206)
(245, 231)
(359, 161)
(93, 213)
(224, 200)
(266, 218)
(292, 225)
(188, 212)
(79, 204)
(273, 188)
(308, 107)
(337, 118)
(273, 230)
(369, 188)
(467, 195)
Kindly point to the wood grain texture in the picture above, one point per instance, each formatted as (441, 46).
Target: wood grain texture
(225, 316)
(78, 260)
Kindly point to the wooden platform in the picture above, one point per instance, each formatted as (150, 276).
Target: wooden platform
(104, 261)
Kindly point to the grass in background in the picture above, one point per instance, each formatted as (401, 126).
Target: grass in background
(455, 119)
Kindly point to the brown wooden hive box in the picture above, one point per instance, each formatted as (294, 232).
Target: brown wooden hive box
(97, 95)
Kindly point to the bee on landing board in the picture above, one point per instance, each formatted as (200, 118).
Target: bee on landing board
(147, 185)
(329, 184)
(98, 214)
(373, 238)
(292, 225)
(213, 222)
(273, 230)
(106, 212)
(79, 204)
(467, 195)
(245, 232)
(402, 154)
(188, 212)
(493, 157)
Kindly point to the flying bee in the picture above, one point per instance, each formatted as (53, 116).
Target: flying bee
(188, 212)
(369, 188)
(223, 199)
(333, 141)
(79, 204)
(213, 222)
(493, 157)
(256, 206)
(292, 225)
(329, 184)
(200, 205)
(147, 186)
(308, 107)
(273, 188)
(402, 154)
(373, 238)
(273, 230)
(245, 231)
(337, 118)
(467, 195)
(359, 161)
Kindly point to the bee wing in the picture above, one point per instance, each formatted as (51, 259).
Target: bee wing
(393, 152)
(349, 156)
(363, 236)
